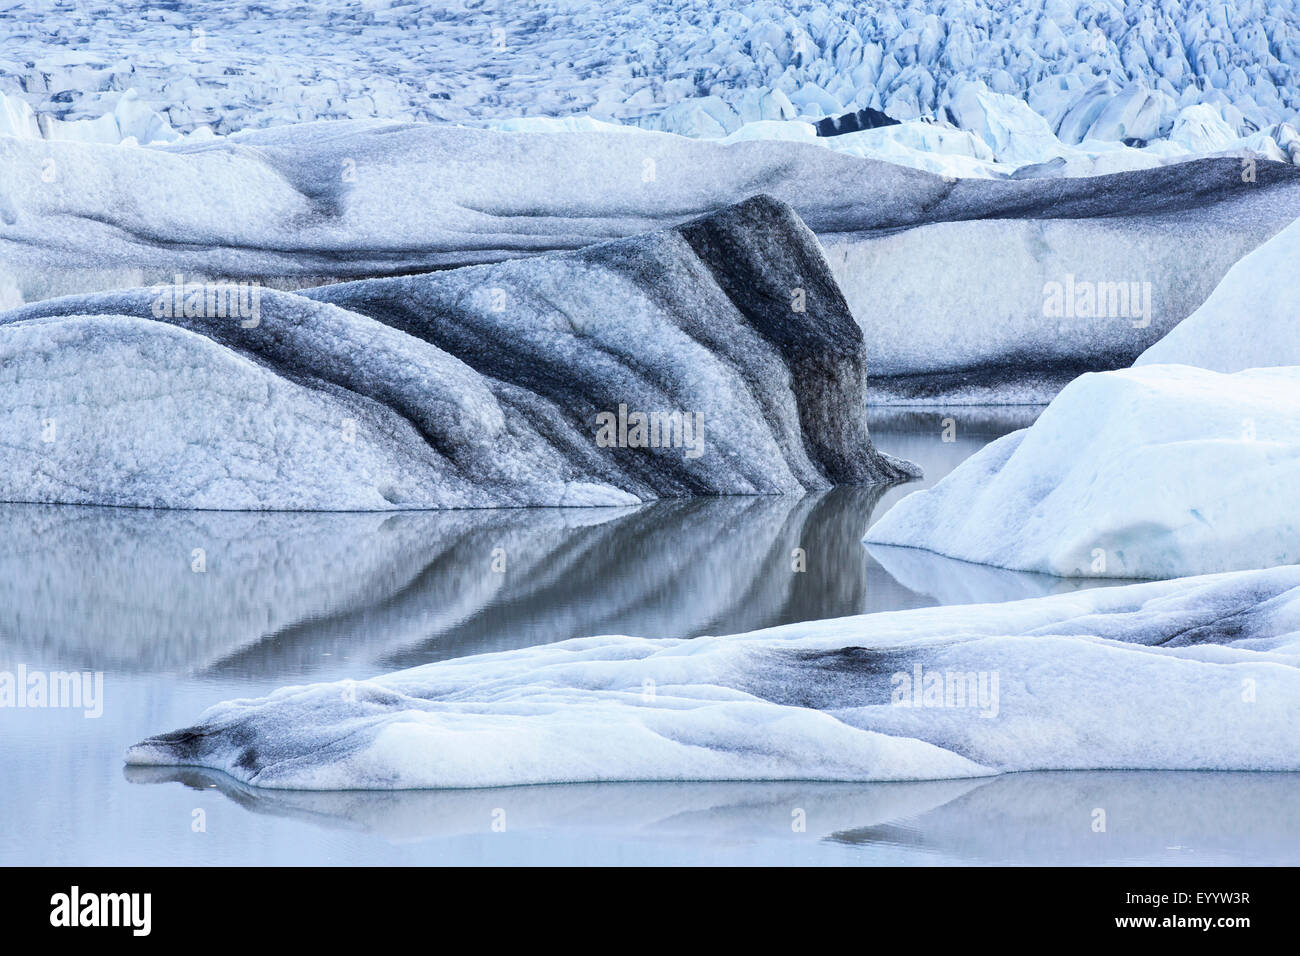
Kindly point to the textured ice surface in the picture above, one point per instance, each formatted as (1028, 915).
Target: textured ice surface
(1150, 472)
(947, 279)
(470, 388)
(1251, 320)
(1190, 674)
(1041, 284)
(1090, 72)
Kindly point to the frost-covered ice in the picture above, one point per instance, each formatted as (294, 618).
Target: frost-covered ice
(717, 357)
(1150, 472)
(1196, 673)
(1250, 320)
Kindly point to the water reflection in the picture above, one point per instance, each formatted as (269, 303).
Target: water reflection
(228, 595)
(1152, 817)
(951, 581)
(265, 596)
(184, 609)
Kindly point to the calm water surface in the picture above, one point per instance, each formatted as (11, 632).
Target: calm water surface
(292, 598)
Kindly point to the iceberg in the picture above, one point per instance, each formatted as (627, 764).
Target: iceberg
(1197, 673)
(716, 357)
(946, 278)
(1156, 471)
(130, 123)
(1250, 320)
(981, 308)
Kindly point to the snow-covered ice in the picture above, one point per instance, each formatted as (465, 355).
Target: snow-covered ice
(1150, 472)
(1196, 673)
(717, 357)
(1250, 320)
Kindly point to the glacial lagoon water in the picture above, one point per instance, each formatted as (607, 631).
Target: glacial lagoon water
(180, 610)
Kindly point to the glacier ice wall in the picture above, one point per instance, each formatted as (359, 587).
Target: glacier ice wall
(1125, 69)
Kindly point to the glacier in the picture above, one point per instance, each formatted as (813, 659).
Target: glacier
(480, 387)
(1197, 673)
(1128, 70)
(1251, 318)
(1151, 472)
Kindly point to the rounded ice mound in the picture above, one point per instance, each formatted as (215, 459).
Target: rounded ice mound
(1150, 472)
(1252, 318)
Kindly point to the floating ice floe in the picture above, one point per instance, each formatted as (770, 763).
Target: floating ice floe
(1194, 674)
(717, 357)
(1250, 320)
(1150, 472)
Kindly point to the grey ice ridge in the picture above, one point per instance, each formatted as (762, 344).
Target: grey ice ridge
(475, 387)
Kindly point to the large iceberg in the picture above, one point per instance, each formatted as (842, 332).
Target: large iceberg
(717, 357)
(1250, 320)
(1196, 673)
(1150, 472)
(947, 278)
